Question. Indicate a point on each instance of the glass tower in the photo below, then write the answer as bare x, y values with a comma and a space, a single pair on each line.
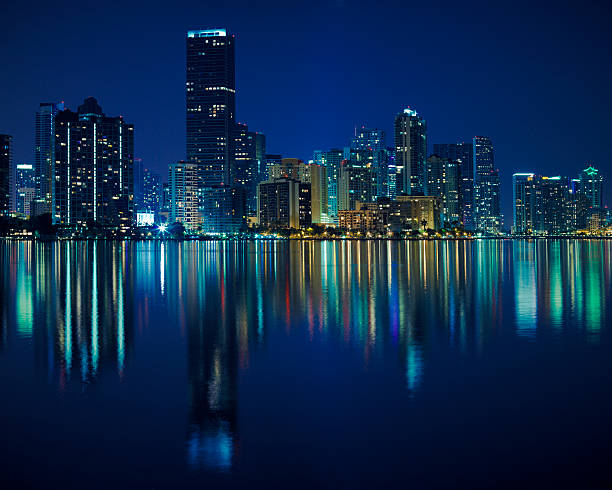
410, 152
44, 150
487, 213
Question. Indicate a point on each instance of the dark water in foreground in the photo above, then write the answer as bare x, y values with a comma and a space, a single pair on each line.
306, 364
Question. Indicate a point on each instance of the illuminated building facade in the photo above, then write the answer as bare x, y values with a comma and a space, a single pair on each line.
152, 192
357, 180
523, 194
463, 153
6, 162
44, 151
331, 160
284, 203
372, 143
25, 188
211, 104
444, 181
183, 192
487, 211
410, 152
591, 183
94, 157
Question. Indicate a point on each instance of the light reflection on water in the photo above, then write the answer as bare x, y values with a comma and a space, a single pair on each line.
84, 305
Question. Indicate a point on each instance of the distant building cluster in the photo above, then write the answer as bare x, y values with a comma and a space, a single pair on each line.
85, 174
558, 205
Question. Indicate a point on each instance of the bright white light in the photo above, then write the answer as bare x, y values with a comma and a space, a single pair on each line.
162, 228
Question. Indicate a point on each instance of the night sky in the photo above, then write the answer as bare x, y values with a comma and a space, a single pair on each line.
534, 77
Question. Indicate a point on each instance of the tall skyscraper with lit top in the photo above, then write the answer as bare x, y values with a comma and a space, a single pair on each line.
410, 152
211, 104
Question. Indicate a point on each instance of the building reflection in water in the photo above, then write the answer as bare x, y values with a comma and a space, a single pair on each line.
80, 303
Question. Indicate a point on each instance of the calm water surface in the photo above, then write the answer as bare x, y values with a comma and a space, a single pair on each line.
306, 364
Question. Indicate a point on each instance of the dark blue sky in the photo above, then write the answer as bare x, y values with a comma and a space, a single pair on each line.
534, 77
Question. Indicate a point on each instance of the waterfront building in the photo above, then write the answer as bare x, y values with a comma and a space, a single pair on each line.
410, 152
591, 184
44, 153
357, 180
94, 157
152, 192
210, 104
6, 165
443, 181
523, 195
552, 206
138, 184
183, 194
246, 170
284, 203
463, 153
487, 210
419, 212
372, 142
223, 210
331, 160
25, 188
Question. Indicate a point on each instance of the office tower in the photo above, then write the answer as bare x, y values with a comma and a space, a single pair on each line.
272, 159
25, 190
94, 158
372, 141
183, 193
357, 180
211, 104
284, 203
223, 210
331, 160
410, 152
464, 154
487, 213
249, 163
44, 152
152, 192
443, 181
6, 164
552, 206
591, 183
138, 184
166, 203
317, 178
523, 195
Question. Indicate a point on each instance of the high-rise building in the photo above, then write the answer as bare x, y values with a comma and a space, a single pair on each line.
487, 211
44, 152
331, 160
152, 192
223, 210
183, 191
443, 181
94, 157
357, 180
372, 142
284, 203
591, 183
463, 153
138, 184
6, 165
25, 187
410, 152
523, 195
551, 209
249, 163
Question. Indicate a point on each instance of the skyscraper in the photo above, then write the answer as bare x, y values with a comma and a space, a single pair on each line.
6, 162
94, 158
211, 105
410, 152
591, 183
357, 180
249, 163
372, 141
443, 181
152, 192
44, 151
523, 195
487, 212
24, 187
331, 160
463, 153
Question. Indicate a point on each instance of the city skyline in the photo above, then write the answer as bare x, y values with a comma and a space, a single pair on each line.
456, 107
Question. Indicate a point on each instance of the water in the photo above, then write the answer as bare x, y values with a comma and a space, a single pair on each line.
306, 364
